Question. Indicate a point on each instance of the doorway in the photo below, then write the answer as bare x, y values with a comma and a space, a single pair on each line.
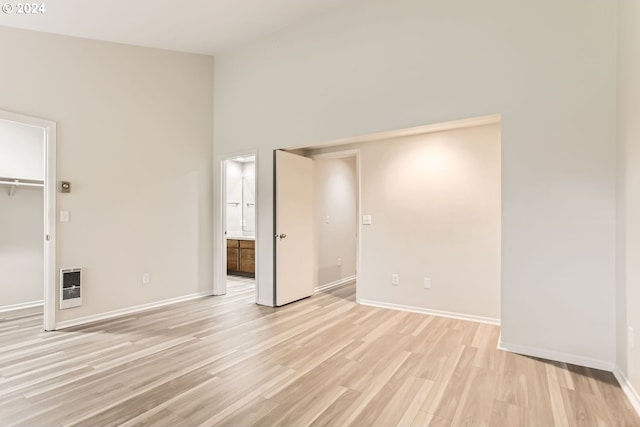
336, 211
433, 197
27, 210
238, 191
316, 203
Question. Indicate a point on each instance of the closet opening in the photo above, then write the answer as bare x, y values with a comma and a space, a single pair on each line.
27, 217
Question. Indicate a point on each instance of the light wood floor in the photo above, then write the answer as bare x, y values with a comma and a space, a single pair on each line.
321, 361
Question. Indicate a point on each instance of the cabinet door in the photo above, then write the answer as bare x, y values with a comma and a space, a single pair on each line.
233, 255
247, 260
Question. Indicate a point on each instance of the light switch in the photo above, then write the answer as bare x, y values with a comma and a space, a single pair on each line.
366, 219
64, 216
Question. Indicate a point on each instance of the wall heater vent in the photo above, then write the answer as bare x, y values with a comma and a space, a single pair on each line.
70, 288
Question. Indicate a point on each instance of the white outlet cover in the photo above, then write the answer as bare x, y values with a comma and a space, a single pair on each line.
427, 283
395, 279
366, 219
64, 216
146, 278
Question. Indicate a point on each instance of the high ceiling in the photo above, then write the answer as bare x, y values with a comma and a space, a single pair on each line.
198, 26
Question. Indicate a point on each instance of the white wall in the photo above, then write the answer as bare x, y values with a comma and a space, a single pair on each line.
21, 151
628, 292
21, 246
241, 190
134, 137
435, 204
249, 198
548, 67
234, 197
335, 214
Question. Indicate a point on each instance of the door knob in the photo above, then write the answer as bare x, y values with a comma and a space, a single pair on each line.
281, 236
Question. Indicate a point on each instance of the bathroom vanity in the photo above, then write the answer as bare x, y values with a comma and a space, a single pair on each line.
241, 256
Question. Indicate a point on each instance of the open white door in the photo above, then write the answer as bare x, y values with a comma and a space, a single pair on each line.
294, 233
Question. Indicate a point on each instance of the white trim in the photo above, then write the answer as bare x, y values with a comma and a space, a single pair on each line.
49, 214
129, 310
335, 283
439, 313
358, 225
20, 306
557, 356
627, 387
219, 247
417, 130
266, 303
50, 188
336, 154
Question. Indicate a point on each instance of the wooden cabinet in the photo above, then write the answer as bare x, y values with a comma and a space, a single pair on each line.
241, 257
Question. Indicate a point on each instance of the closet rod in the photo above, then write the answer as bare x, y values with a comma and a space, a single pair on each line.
21, 184
15, 183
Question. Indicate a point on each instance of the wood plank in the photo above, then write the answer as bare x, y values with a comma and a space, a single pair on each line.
323, 361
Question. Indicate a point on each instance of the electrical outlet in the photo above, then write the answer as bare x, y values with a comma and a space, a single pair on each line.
630, 337
339, 262
395, 279
146, 278
427, 283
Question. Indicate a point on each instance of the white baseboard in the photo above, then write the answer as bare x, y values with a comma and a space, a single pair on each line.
557, 356
335, 283
439, 313
128, 310
629, 390
20, 306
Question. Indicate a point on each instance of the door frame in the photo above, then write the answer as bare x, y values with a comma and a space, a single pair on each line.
339, 155
219, 227
49, 214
